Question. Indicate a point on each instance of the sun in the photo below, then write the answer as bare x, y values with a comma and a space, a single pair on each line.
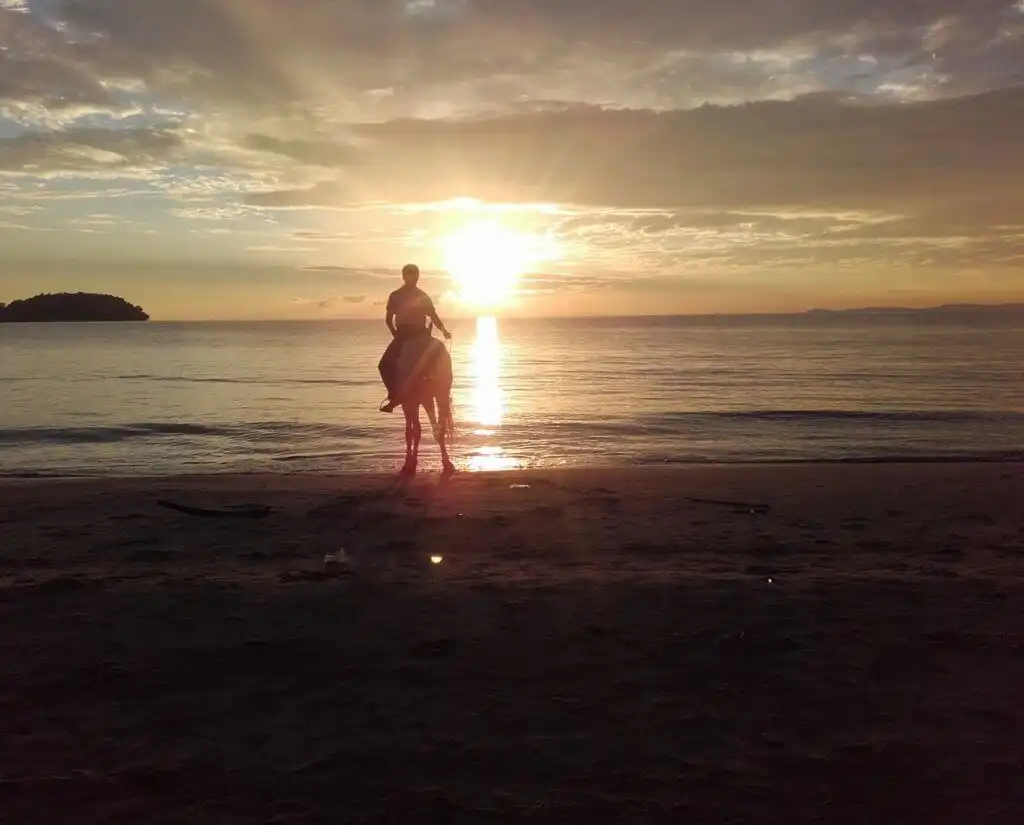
487, 259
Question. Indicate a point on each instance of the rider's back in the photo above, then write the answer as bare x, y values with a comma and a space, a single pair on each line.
411, 306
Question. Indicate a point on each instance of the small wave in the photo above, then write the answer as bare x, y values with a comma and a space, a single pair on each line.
100, 435
126, 432
309, 428
954, 416
291, 459
30, 475
664, 423
268, 382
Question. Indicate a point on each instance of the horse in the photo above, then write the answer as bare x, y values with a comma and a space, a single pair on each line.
424, 378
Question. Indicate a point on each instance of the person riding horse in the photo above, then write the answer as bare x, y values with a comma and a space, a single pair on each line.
408, 310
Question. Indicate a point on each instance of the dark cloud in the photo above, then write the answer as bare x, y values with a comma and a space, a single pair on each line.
961, 156
48, 82
215, 33
925, 254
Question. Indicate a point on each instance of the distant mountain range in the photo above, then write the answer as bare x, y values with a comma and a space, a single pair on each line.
945, 309
71, 306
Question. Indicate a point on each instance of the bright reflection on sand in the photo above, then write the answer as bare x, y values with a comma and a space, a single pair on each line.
490, 459
488, 398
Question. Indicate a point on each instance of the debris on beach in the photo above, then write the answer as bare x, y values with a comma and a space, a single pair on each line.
230, 511
337, 561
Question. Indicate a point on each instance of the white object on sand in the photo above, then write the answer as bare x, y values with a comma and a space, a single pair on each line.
338, 559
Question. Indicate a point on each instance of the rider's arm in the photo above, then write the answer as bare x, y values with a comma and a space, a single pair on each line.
389, 319
432, 314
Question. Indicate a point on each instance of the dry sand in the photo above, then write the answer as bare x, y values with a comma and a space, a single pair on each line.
595, 646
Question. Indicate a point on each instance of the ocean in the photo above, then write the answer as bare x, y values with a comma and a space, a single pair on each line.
287, 397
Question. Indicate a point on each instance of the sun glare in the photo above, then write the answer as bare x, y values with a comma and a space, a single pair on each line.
487, 259
488, 398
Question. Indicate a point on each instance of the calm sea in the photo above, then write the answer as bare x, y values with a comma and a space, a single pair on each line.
163, 398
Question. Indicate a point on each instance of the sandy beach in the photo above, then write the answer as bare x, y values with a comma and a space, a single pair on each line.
784, 644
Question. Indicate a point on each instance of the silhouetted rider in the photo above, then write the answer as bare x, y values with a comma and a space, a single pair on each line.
409, 309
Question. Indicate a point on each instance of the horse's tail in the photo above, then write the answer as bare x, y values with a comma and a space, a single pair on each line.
446, 416
443, 392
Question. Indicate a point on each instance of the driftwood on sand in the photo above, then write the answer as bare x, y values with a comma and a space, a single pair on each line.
230, 511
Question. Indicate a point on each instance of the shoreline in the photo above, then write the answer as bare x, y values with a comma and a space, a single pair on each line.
682, 466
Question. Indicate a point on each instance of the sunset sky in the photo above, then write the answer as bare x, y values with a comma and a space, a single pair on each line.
284, 158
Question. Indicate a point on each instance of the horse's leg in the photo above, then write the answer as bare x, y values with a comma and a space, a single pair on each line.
446, 460
411, 413
417, 432
443, 428
432, 415
438, 430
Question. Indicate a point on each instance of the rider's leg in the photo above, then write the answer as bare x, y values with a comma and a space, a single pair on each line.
388, 362
387, 366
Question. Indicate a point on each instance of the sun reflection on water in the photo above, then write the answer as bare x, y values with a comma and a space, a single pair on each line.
488, 398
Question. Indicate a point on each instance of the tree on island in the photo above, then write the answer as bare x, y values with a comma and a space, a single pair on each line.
71, 306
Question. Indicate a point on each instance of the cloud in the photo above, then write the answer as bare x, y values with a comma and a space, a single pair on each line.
271, 248
838, 133
19, 210
328, 268
20, 227
97, 220
329, 302
342, 59
48, 81
822, 178
310, 235
365, 272
308, 152
210, 213
85, 149
256, 86
819, 154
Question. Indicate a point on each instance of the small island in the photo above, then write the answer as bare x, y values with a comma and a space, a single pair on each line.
70, 306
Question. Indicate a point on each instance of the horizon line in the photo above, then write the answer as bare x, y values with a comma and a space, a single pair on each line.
868, 310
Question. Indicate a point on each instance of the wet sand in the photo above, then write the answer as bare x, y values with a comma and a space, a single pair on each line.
776, 644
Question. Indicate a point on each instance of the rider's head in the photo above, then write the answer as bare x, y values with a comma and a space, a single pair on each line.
410, 274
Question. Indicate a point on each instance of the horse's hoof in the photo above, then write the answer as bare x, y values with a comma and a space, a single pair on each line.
408, 470
448, 470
